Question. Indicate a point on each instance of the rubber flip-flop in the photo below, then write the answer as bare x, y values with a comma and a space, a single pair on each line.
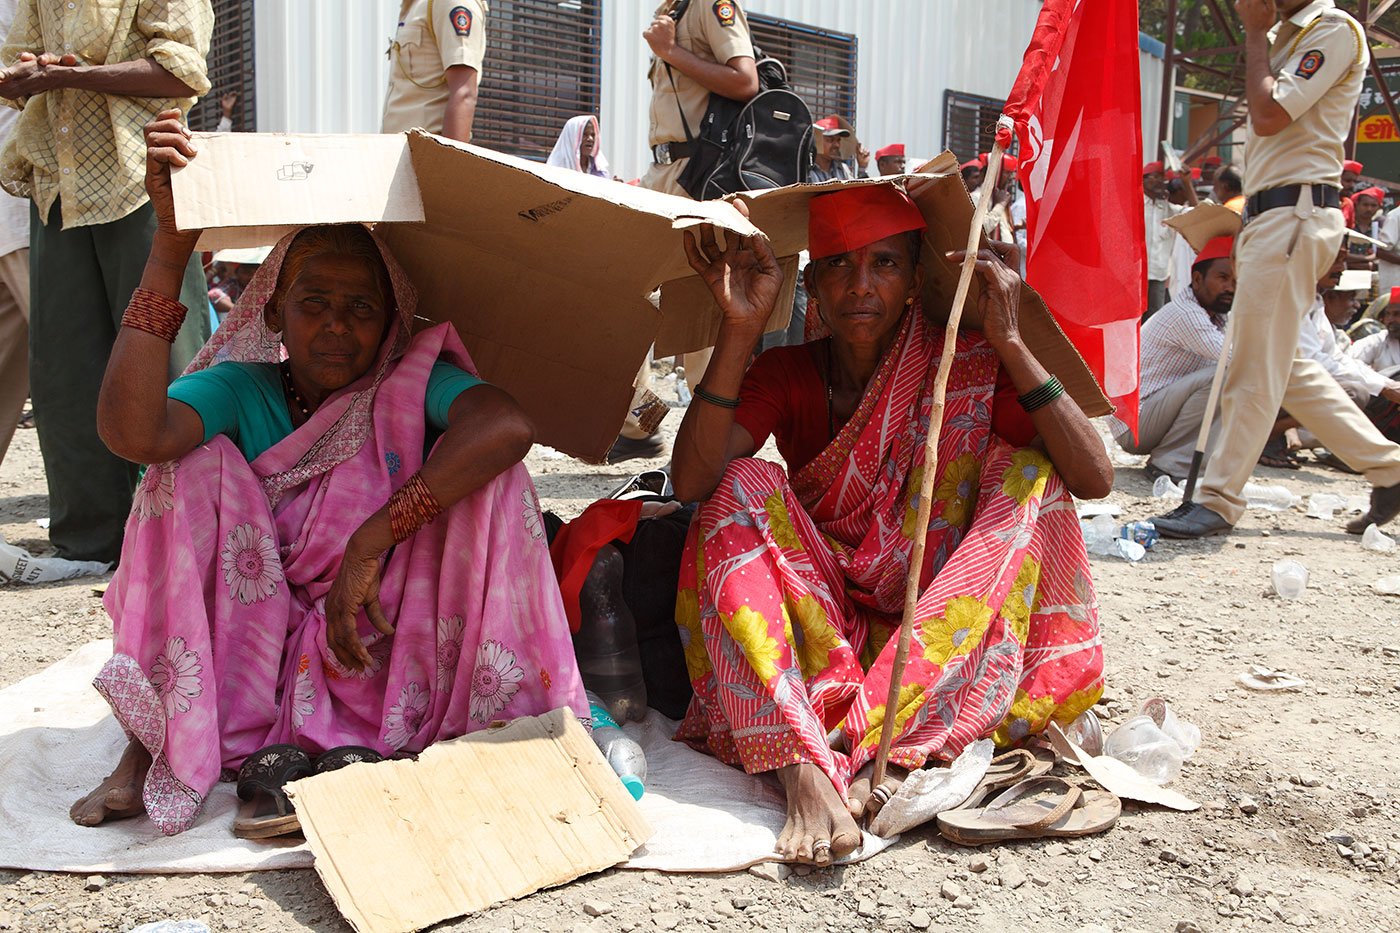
336, 758
1008, 769
266, 811
1033, 809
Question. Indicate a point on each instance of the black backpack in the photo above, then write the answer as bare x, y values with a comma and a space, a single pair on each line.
764, 143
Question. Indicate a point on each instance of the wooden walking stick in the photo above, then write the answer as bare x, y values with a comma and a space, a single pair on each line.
935, 429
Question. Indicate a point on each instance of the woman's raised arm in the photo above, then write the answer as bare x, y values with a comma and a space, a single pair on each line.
135, 418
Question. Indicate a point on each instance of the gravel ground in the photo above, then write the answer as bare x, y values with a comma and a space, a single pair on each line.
1300, 825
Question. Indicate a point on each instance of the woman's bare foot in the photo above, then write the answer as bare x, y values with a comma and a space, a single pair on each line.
119, 796
862, 803
818, 827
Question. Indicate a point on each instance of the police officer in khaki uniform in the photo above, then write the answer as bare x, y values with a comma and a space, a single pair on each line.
435, 67
709, 50
1303, 78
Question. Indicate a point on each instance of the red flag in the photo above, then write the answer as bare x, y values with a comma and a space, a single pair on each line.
1076, 107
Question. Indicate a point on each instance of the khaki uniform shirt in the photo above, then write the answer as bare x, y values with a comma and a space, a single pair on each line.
1318, 57
715, 30
81, 146
433, 35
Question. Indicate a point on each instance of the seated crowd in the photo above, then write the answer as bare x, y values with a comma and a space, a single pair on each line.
336, 554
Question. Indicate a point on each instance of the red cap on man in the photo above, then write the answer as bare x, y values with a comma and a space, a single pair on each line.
1395, 295
1350, 165
893, 150
1219, 248
854, 217
1152, 168
971, 163
982, 158
830, 126
1211, 160
1372, 192
1195, 174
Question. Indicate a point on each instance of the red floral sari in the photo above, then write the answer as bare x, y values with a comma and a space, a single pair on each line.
790, 590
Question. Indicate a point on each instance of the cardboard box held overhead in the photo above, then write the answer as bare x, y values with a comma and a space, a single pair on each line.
494, 815
544, 272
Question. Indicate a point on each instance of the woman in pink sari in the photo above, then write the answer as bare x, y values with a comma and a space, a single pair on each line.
335, 544
793, 582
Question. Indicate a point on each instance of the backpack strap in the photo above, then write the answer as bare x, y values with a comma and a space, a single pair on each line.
678, 10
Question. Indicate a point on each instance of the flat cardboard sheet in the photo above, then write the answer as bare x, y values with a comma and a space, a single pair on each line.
495, 815
691, 317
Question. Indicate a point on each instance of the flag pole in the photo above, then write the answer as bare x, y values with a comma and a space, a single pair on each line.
935, 429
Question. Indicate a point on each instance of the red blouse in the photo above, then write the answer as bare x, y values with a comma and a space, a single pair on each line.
783, 396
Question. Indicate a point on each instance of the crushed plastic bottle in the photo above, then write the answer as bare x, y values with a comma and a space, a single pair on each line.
1144, 533
1142, 745
1087, 732
1104, 536
622, 752
605, 645
1273, 498
1373, 539
1324, 505
1182, 732
1164, 488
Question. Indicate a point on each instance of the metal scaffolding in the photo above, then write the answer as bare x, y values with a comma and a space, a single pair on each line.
1227, 62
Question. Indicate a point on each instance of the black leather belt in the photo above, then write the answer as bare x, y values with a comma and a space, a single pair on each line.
1287, 196
666, 153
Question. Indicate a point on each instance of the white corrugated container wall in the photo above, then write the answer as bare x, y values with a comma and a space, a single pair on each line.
321, 66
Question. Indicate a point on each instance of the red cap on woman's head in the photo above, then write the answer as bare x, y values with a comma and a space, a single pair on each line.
854, 217
1219, 248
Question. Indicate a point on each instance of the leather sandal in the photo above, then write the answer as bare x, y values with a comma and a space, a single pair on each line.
1033, 809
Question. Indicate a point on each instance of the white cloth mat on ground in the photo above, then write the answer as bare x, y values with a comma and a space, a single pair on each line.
58, 740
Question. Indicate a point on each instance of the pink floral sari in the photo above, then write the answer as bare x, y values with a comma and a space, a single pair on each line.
790, 590
219, 603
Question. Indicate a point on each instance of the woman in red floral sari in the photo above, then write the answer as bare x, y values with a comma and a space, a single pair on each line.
792, 582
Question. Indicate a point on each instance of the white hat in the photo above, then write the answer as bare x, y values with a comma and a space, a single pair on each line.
1354, 280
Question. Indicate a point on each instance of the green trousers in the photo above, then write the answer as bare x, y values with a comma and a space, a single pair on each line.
80, 281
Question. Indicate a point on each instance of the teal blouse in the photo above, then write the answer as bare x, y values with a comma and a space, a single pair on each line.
245, 401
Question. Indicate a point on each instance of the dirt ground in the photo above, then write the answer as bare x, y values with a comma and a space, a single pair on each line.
1300, 825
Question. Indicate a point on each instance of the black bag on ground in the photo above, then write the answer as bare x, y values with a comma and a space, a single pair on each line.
764, 143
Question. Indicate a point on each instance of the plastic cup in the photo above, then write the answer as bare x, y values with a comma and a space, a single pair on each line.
1290, 579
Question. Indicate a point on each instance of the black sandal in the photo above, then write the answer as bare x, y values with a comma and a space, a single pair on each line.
266, 811
336, 758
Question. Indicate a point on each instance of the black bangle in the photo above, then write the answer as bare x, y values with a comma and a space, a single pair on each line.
713, 399
1041, 395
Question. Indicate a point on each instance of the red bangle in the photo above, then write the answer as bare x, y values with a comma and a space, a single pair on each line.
155, 314
411, 507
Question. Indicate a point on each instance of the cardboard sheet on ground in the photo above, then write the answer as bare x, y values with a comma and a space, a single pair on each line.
58, 740
691, 317
475, 821
1117, 776
544, 272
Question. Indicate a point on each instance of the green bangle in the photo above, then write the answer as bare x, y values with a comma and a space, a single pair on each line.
1041, 395
713, 399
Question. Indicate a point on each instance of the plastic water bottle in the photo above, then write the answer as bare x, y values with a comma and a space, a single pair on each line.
1273, 498
1144, 533
606, 643
1141, 744
624, 755
1105, 537
1164, 488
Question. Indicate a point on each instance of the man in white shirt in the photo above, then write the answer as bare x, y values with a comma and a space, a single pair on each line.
1381, 351
1388, 256
1161, 239
14, 285
1180, 347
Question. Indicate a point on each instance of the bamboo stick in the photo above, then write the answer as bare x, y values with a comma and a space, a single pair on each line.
935, 430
